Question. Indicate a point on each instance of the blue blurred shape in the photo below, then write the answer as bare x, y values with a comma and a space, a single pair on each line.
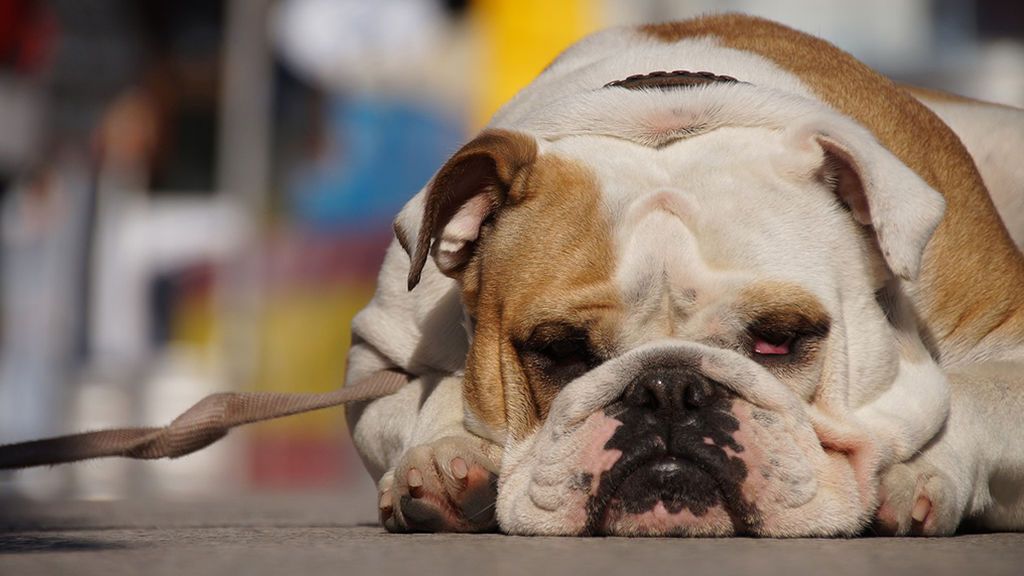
380, 153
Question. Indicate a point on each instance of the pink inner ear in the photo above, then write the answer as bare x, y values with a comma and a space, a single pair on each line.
465, 225
462, 230
768, 349
848, 184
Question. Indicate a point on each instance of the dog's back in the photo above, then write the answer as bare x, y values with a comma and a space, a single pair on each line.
994, 136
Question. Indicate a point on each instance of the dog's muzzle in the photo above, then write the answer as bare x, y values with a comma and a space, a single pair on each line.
677, 446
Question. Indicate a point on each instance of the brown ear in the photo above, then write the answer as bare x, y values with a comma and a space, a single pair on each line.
468, 189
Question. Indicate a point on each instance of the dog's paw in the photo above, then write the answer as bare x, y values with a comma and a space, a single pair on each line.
917, 499
449, 485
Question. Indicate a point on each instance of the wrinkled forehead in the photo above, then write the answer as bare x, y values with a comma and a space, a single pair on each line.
723, 206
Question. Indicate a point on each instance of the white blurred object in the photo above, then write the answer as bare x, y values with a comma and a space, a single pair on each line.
181, 378
139, 238
129, 382
42, 238
352, 44
891, 36
1000, 76
101, 403
113, 398
21, 120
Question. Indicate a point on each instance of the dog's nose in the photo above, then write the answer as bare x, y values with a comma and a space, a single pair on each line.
671, 390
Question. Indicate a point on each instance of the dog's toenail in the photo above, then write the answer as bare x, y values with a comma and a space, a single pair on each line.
921, 509
459, 468
415, 478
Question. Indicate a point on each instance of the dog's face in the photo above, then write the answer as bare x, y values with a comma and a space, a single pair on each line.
703, 338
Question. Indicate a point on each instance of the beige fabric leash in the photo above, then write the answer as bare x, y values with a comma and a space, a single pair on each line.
201, 425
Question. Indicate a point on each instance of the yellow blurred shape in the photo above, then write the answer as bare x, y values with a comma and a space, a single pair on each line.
193, 323
305, 336
519, 38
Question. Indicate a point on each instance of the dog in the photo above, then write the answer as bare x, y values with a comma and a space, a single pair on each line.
706, 278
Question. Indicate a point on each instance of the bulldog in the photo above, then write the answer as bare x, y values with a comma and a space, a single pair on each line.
713, 277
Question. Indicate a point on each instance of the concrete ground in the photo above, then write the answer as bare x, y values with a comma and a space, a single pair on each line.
331, 534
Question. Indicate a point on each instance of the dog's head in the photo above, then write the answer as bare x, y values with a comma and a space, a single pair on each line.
705, 336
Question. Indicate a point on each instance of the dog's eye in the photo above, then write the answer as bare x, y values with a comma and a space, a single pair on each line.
559, 353
773, 344
565, 359
784, 339
565, 351
784, 334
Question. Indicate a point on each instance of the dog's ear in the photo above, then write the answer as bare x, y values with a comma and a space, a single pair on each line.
407, 223
879, 189
469, 189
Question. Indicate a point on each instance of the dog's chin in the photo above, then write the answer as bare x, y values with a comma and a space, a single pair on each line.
666, 496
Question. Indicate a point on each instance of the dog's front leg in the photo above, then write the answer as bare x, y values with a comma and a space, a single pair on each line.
973, 471
432, 475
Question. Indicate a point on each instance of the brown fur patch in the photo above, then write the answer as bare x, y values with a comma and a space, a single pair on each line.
783, 304
546, 258
972, 281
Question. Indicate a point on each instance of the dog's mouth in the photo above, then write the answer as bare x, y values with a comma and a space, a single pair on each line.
655, 475
674, 482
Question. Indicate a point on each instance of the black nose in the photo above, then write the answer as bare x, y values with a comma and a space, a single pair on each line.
671, 390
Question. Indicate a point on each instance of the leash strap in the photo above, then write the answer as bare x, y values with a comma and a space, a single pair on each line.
204, 423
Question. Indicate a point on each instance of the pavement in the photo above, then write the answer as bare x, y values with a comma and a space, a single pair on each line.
337, 534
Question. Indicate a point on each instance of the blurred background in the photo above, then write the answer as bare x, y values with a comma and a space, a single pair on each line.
195, 195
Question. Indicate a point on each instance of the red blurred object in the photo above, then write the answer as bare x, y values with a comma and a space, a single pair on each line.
278, 461
27, 33
298, 258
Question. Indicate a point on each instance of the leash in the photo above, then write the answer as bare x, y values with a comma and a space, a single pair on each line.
204, 423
